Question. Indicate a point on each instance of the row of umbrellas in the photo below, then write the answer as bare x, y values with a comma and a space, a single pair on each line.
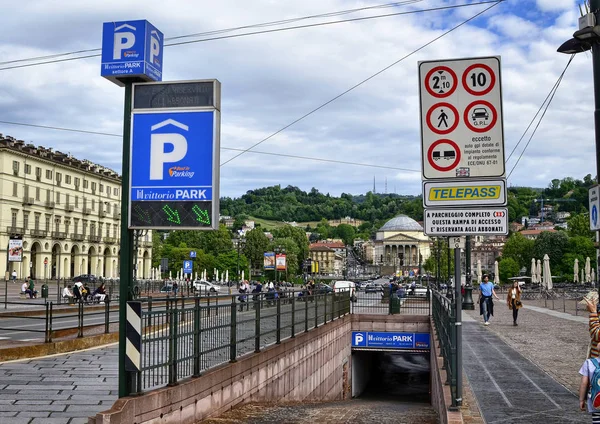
217, 276
540, 273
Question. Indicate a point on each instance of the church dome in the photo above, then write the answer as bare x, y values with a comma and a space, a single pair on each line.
401, 223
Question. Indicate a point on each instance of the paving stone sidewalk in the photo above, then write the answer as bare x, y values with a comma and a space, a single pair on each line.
60, 389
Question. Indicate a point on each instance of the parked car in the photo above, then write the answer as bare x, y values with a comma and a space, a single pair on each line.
167, 288
323, 288
419, 290
204, 287
85, 278
346, 286
373, 288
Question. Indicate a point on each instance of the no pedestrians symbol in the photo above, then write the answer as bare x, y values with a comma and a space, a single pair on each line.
442, 118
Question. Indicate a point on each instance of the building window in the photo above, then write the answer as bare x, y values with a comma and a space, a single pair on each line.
47, 195
25, 220
77, 183
37, 193
48, 174
85, 224
93, 187
92, 228
57, 198
58, 178
57, 223
15, 190
93, 204
107, 230
101, 188
84, 203
38, 173
67, 224
67, 179
115, 229
15, 167
75, 225
48, 222
13, 217
27, 169
116, 191
100, 229
76, 201
26, 191
67, 199
36, 221
108, 190
85, 183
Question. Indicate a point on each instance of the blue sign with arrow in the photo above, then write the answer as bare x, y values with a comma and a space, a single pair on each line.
193, 254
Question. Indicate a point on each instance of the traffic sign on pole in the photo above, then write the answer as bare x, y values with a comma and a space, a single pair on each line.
461, 222
461, 118
187, 267
594, 199
460, 193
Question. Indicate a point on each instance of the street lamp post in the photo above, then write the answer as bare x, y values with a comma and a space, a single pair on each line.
240, 245
584, 39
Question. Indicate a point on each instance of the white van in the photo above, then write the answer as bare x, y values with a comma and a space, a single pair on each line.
342, 286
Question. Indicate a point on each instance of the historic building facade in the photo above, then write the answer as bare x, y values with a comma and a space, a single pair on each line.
67, 212
401, 245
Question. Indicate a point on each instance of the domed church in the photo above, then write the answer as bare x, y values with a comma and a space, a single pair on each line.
401, 246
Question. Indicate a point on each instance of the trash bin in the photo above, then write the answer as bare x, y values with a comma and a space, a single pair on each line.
45, 291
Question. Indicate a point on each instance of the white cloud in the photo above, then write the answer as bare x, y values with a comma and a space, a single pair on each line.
555, 5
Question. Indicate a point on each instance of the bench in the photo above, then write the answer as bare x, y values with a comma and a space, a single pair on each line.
23, 295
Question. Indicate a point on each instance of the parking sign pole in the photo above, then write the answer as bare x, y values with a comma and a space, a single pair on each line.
126, 265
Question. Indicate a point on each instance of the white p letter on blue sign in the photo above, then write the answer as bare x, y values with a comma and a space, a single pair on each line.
158, 157
123, 40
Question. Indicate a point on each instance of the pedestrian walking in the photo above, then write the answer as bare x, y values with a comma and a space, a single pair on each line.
594, 328
513, 299
14, 276
486, 303
588, 389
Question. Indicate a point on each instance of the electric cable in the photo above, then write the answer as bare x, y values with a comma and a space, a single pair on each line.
365, 80
48, 127
263, 32
542, 116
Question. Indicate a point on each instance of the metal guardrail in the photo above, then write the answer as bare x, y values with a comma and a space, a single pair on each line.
380, 302
190, 335
444, 318
79, 319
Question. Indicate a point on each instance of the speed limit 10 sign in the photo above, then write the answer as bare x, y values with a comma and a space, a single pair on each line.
461, 118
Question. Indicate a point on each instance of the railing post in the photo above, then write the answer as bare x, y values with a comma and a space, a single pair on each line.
257, 324
197, 318
80, 319
278, 321
173, 348
453, 347
233, 333
316, 310
149, 320
107, 316
325, 308
48, 332
306, 314
293, 330
564, 306
208, 304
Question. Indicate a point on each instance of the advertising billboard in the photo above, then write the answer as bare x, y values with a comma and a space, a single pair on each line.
280, 262
15, 250
269, 261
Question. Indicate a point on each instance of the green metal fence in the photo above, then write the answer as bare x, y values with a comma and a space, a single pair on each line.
185, 336
444, 318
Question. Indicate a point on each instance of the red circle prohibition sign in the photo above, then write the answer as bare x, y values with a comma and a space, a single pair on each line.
492, 79
432, 161
491, 108
448, 130
452, 89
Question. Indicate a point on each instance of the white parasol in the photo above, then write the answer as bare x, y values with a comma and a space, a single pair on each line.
576, 271
547, 273
538, 274
496, 273
588, 268
479, 275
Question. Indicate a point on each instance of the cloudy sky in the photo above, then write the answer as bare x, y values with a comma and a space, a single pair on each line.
270, 80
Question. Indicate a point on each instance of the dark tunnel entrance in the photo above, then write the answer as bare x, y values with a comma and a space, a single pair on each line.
389, 375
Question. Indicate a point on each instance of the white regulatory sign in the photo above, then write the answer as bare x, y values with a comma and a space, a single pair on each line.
461, 118
466, 222
457, 242
594, 197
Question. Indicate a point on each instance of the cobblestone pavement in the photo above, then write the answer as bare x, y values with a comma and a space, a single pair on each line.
357, 411
61, 389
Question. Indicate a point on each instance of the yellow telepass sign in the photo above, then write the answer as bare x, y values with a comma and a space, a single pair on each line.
461, 193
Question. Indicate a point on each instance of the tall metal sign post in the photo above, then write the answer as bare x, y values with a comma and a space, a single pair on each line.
462, 156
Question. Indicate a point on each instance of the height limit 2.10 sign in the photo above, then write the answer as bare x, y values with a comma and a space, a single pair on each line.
461, 118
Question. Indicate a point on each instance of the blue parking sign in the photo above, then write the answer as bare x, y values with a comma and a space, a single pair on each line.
193, 254
131, 49
187, 267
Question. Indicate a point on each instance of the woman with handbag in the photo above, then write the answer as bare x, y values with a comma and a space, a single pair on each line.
514, 301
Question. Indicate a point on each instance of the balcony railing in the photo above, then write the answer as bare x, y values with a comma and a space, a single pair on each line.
102, 214
49, 204
87, 211
28, 200
38, 233
110, 240
95, 239
77, 237
117, 215
70, 208
59, 235
15, 230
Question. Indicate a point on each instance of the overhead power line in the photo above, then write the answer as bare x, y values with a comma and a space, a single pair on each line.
46, 62
306, 115
48, 127
548, 102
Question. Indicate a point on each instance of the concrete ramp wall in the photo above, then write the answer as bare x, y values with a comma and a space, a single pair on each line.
311, 366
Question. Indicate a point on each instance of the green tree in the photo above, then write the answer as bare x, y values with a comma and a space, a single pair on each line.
431, 264
508, 268
553, 244
298, 235
518, 248
256, 245
579, 225
346, 232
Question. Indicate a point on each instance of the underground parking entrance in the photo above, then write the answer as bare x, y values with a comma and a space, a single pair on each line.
391, 366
